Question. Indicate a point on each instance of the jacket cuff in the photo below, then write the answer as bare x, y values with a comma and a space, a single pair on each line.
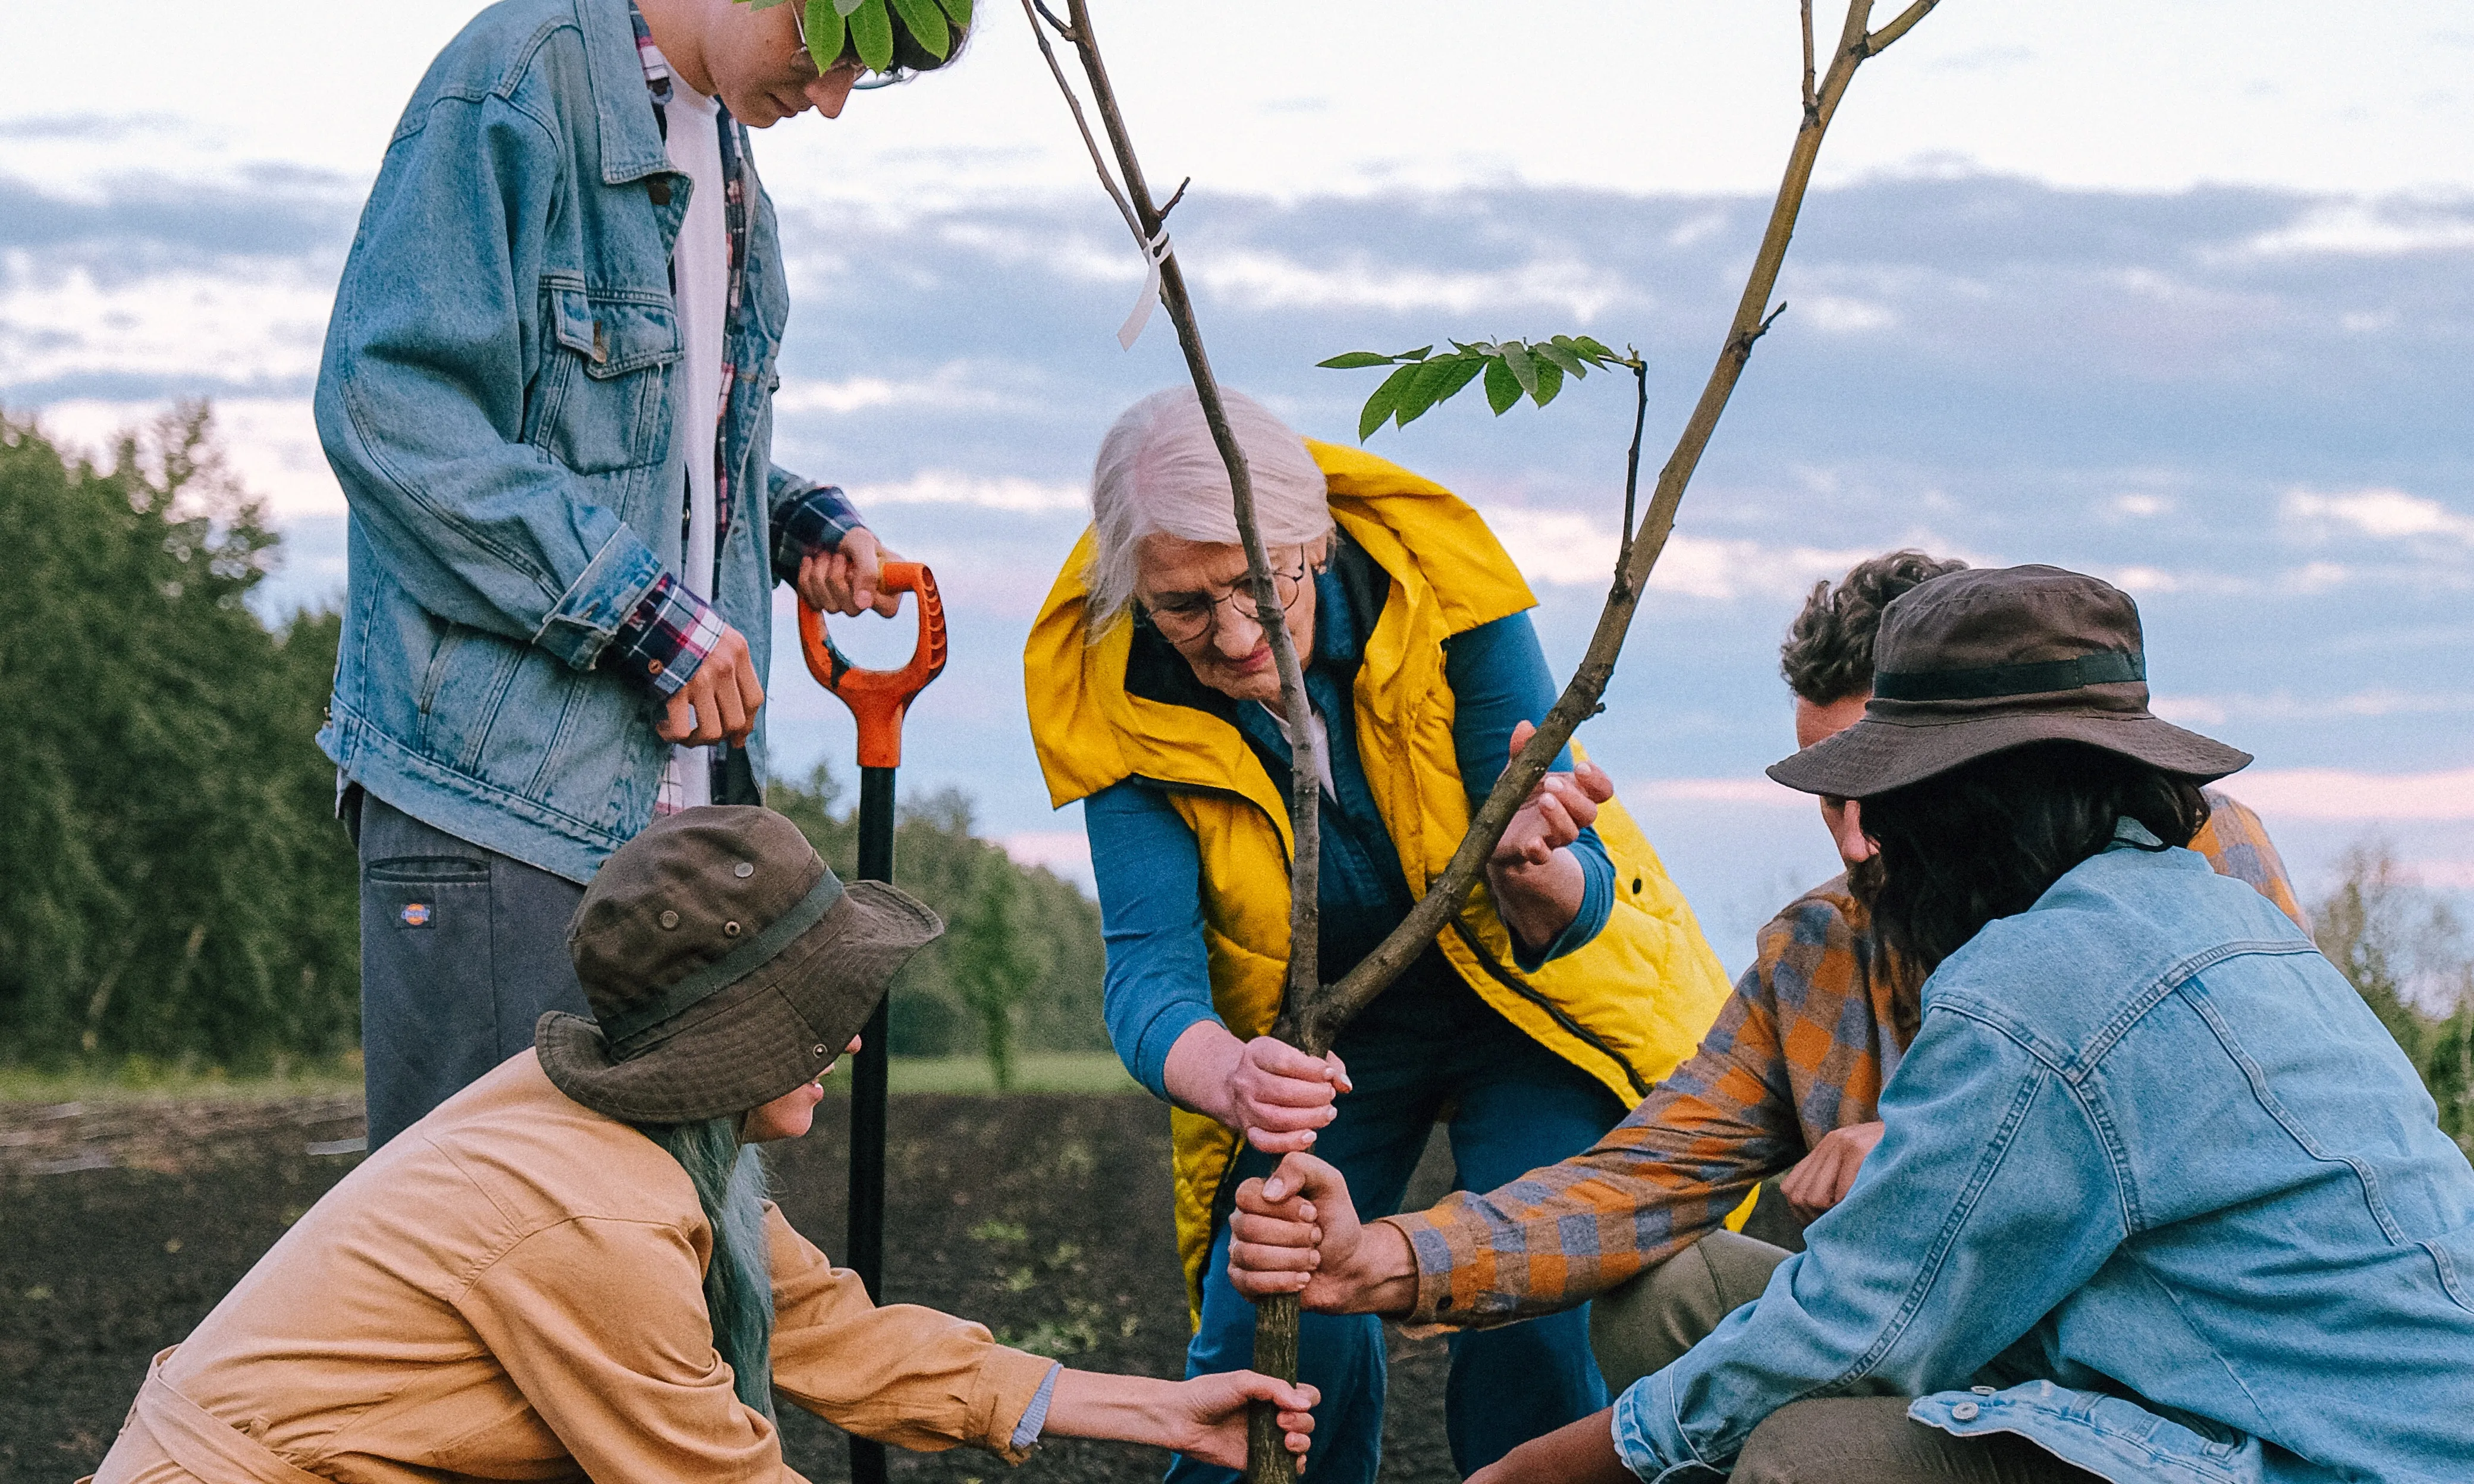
667, 637
1441, 1252
813, 520
1010, 1381
589, 615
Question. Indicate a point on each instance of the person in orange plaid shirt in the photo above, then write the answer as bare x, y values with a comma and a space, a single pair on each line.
1785, 1084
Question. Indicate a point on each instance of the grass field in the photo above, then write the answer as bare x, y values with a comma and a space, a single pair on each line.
138, 1080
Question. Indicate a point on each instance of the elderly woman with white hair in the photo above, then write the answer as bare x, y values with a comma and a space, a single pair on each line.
1556, 999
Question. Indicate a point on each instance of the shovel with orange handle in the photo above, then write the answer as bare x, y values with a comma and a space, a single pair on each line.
877, 700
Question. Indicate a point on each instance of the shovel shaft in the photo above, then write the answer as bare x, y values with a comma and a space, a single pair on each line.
864, 1239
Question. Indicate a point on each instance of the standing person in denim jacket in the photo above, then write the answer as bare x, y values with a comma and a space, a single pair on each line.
2157, 1196
548, 396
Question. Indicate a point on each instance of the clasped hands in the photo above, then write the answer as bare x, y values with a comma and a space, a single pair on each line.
720, 700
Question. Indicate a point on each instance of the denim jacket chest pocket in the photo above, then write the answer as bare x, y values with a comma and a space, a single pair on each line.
600, 400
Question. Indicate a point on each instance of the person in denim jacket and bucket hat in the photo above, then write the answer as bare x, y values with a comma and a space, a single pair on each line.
2157, 1196
548, 396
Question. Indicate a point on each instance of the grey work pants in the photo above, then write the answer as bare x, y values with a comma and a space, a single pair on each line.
1650, 1322
462, 949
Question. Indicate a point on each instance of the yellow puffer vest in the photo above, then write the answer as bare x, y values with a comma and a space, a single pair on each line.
1626, 1009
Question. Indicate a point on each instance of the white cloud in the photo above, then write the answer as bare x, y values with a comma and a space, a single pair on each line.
270, 442
953, 385
1758, 792
1064, 852
2368, 230
2341, 794
2142, 506
2384, 515
1833, 315
262, 321
1566, 548
1272, 281
2283, 707
947, 487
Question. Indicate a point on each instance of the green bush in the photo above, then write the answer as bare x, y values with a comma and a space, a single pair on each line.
175, 890
1020, 963
2405, 953
173, 884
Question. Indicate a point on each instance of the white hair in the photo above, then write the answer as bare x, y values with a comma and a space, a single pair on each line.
1159, 472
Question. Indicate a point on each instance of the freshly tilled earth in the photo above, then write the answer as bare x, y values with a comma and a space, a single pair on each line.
1044, 1216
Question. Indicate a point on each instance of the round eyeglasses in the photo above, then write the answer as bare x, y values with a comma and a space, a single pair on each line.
1188, 617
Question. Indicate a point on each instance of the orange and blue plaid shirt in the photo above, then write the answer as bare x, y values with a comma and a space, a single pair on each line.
1813, 1030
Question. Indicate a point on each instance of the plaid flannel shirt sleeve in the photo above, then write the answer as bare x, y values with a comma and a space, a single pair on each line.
1670, 1173
1662, 1179
808, 519
661, 643
2236, 843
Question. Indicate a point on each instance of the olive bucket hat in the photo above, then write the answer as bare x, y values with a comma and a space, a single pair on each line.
1982, 660
725, 965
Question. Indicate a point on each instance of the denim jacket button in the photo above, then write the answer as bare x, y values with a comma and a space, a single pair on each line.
1965, 1411
1981, 1391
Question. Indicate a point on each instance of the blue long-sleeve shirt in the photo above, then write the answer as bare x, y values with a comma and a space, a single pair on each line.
1149, 869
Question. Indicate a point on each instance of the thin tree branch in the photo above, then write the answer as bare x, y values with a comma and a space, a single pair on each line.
1276, 1326
1811, 100
1174, 197
1879, 40
1062, 29
1632, 458
1313, 1027
1033, 10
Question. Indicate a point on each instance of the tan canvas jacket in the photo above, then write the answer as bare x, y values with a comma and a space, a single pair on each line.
512, 1290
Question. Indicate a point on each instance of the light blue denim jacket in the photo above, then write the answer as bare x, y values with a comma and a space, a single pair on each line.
495, 401
2157, 1191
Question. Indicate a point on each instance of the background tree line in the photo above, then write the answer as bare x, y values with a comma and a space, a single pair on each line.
174, 884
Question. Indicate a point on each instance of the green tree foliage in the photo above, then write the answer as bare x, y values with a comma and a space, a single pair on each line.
173, 884
2405, 953
1021, 960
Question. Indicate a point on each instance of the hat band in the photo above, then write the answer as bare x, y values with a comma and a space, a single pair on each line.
2105, 667
728, 969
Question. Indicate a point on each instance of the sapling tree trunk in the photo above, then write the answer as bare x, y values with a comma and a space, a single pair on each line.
1312, 1013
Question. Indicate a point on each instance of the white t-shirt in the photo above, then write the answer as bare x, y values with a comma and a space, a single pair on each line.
700, 273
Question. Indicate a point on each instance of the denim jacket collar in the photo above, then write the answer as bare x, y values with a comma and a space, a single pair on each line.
631, 142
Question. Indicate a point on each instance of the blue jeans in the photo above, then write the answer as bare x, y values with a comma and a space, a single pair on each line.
1421, 1052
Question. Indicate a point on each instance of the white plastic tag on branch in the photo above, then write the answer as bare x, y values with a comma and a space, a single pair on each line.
1154, 253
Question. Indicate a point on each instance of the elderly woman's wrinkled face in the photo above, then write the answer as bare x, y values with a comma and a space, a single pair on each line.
1195, 592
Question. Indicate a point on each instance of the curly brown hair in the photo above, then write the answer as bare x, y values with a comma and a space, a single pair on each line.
1828, 651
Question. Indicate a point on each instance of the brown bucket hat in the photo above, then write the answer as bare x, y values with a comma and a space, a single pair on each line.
1982, 660
725, 965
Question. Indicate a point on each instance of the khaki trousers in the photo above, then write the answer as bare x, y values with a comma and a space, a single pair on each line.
1649, 1323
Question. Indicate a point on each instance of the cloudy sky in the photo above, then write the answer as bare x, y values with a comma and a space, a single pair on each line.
2180, 294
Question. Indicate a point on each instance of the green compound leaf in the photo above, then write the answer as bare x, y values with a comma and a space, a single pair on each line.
927, 26
871, 31
960, 10
1379, 406
1524, 370
1421, 380
1437, 379
760, 5
1561, 355
843, 8
824, 26
1501, 390
1550, 380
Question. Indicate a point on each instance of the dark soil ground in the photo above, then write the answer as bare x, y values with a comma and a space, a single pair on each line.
1044, 1216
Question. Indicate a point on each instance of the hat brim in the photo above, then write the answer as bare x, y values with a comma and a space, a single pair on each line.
749, 1044
1874, 756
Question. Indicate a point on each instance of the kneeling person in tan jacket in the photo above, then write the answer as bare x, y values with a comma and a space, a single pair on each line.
569, 1268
